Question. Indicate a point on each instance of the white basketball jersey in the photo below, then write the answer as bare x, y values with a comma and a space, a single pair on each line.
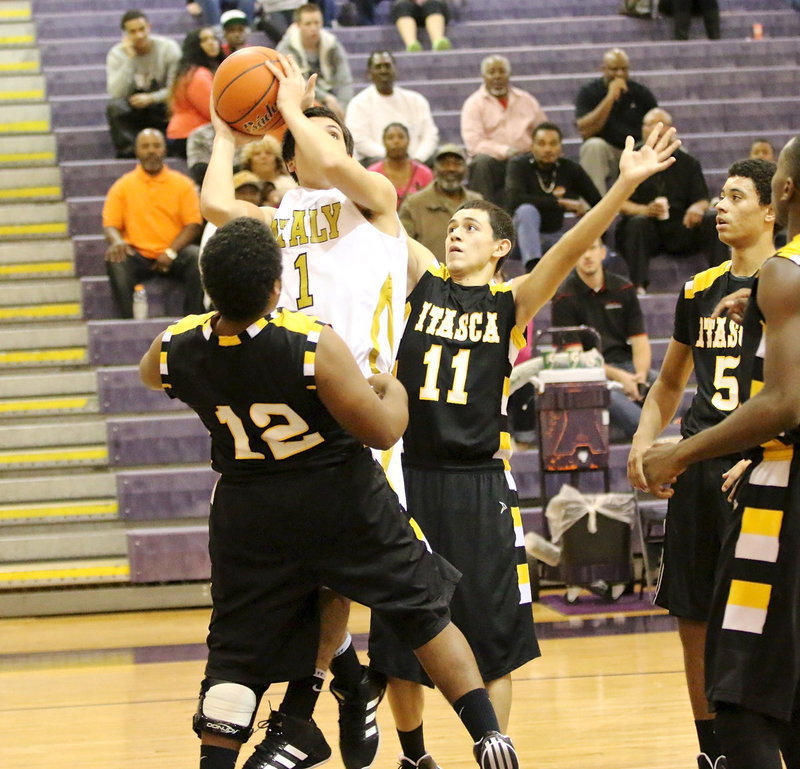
339, 267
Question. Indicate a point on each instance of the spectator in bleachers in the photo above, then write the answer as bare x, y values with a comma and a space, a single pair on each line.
381, 103
318, 51
235, 30
541, 187
607, 110
409, 15
682, 17
139, 70
406, 174
608, 303
666, 213
190, 93
209, 10
762, 149
151, 220
497, 121
425, 214
263, 158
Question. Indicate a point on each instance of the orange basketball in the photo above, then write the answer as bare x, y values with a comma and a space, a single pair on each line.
245, 93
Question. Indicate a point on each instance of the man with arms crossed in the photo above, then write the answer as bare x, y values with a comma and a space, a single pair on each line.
699, 510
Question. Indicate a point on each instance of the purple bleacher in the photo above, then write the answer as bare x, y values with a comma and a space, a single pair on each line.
164, 298
87, 142
174, 554
120, 391
157, 440
90, 254
175, 492
87, 178
122, 342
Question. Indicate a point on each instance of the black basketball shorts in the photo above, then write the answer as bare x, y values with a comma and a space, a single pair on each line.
276, 539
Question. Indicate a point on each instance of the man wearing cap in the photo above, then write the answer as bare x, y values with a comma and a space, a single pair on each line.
496, 124
235, 29
139, 70
246, 186
151, 220
209, 11
425, 214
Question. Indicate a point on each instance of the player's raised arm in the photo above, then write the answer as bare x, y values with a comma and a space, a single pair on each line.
322, 158
218, 201
533, 291
374, 411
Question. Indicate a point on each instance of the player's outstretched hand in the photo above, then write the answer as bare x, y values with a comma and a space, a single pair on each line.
653, 156
661, 469
294, 92
733, 305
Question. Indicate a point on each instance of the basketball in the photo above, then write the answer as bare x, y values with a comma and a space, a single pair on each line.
245, 93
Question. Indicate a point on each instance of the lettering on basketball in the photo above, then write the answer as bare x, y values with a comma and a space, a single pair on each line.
257, 125
443, 322
314, 225
718, 334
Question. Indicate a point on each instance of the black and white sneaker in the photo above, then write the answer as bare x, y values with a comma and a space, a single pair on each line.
291, 743
358, 727
426, 762
495, 751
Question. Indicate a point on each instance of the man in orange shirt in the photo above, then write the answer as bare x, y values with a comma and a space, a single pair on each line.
151, 220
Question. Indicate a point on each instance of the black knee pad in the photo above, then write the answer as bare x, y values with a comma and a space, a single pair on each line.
226, 709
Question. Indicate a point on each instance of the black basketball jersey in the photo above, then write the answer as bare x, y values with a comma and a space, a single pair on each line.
716, 346
255, 392
455, 359
751, 376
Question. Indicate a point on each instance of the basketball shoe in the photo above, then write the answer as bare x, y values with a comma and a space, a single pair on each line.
358, 728
495, 751
290, 743
704, 762
426, 762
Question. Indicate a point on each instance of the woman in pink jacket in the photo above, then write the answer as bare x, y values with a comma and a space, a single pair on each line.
191, 90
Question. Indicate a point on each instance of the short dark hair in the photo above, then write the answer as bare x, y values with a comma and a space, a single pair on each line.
792, 157
763, 140
500, 220
240, 263
547, 126
134, 13
288, 148
306, 8
401, 126
379, 52
760, 172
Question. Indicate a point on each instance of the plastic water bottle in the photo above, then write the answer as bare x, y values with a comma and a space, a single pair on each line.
139, 302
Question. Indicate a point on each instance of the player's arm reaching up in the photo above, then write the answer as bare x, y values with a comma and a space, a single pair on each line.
320, 159
533, 291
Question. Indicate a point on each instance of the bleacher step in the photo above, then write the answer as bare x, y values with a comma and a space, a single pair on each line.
77, 488
65, 290
40, 183
63, 542
16, 88
27, 259
44, 220
25, 118
57, 511
55, 573
16, 32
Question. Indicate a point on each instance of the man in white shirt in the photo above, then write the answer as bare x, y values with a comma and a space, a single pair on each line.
370, 111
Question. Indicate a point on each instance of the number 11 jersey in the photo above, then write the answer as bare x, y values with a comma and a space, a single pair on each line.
455, 360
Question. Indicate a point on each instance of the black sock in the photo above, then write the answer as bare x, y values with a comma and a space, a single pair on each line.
412, 743
215, 757
302, 695
709, 744
476, 713
345, 666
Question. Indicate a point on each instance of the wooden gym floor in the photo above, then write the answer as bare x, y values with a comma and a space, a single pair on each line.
118, 690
